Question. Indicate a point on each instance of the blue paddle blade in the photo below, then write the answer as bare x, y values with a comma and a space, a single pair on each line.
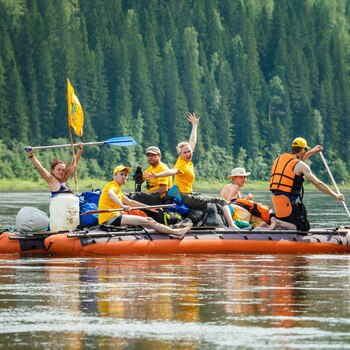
121, 141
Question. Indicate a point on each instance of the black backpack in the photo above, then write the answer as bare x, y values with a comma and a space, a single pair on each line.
212, 215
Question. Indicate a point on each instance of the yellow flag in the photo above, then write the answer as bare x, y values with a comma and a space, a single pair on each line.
75, 111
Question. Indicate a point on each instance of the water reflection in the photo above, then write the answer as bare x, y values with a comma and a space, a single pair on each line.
176, 302
173, 302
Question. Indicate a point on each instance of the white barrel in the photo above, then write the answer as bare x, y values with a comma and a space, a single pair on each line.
64, 212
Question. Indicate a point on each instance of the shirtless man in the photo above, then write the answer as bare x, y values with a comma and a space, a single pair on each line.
232, 191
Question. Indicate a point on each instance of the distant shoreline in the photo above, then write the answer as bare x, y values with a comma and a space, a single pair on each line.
88, 185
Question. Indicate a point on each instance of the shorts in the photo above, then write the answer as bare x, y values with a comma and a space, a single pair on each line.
115, 221
298, 217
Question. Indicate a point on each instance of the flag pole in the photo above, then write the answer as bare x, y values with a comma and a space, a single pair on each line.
75, 122
75, 175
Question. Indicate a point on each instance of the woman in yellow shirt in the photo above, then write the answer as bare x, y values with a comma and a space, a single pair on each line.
112, 197
183, 171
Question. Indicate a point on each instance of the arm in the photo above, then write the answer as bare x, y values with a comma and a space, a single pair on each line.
42, 171
312, 151
161, 189
168, 172
72, 166
132, 203
115, 198
306, 171
193, 137
125, 203
228, 217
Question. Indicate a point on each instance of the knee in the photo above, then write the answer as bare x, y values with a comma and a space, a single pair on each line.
150, 220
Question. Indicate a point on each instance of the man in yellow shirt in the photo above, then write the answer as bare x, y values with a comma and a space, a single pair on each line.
160, 184
112, 197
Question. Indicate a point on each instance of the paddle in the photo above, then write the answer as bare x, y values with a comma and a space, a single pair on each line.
114, 141
105, 234
333, 181
89, 212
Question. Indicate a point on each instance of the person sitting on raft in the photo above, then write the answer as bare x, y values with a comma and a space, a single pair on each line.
232, 191
161, 184
60, 172
183, 171
112, 197
243, 209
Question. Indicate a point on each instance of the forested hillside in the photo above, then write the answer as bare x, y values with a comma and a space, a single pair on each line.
258, 72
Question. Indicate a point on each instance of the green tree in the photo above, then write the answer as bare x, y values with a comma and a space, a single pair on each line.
192, 74
173, 124
245, 128
141, 84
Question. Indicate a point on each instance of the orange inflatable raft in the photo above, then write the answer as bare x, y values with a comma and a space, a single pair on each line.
17, 243
200, 241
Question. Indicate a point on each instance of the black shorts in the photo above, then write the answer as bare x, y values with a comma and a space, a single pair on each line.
116, 221
298, 217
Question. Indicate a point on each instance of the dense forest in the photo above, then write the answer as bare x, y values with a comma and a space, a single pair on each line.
258, 72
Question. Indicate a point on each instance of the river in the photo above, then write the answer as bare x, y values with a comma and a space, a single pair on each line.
176, 302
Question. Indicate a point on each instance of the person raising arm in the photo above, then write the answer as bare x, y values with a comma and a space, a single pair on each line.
183, 171
60, 173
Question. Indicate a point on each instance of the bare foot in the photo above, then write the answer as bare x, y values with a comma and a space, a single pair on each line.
273, 223
181, 232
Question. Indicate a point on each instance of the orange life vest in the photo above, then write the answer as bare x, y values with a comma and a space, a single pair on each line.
255, 208
282, 176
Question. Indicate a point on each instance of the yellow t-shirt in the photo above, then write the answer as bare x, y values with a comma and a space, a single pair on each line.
106, 203
153, 184
185, 177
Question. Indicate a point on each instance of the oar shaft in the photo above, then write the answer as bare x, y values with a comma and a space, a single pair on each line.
329, 173
333, 181
114, 141
69, 145
89, 212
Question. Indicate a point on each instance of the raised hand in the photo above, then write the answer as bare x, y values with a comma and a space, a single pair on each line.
193, 119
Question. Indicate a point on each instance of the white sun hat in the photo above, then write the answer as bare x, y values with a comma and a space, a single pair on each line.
239, 172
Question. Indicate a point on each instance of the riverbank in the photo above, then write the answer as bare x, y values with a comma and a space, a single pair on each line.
88, 185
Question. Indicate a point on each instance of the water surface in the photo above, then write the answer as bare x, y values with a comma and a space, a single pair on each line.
176, 302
